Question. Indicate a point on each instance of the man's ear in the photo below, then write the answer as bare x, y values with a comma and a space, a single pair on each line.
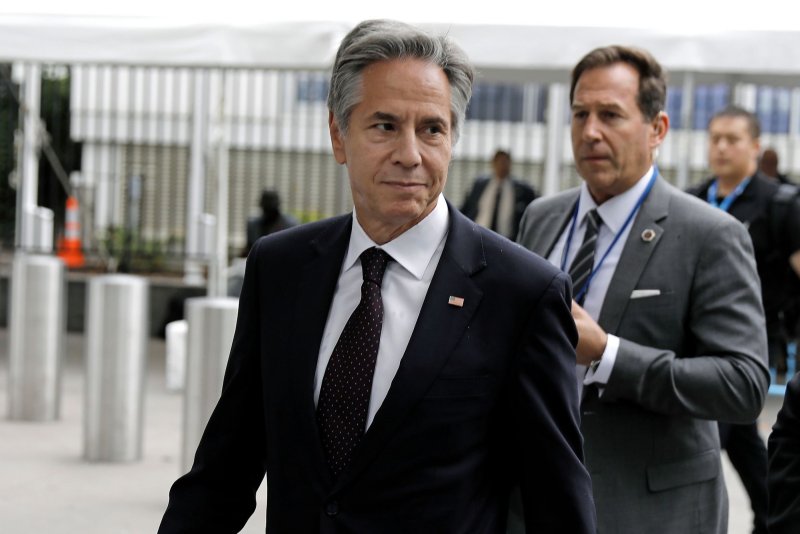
337, 140
660, 127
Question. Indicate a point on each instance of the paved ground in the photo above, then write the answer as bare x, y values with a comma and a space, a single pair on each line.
46, 486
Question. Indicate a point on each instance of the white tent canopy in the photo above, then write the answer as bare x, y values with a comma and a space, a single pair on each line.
498, 51
508, 48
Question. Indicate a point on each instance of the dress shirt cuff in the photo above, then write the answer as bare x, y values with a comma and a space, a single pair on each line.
602, 372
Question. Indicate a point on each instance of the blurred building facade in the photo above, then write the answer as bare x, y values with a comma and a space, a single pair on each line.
145, 145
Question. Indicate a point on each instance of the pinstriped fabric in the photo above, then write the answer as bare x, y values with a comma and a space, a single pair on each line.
347, 383
583, 262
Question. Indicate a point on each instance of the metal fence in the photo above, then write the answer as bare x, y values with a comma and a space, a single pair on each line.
142, 147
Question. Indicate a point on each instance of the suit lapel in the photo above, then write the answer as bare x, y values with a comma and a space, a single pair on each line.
317, 283
438, 330
642, 241
551, 226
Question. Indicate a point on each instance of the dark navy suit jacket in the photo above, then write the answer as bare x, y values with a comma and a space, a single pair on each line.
523, 195
484, 397
784, 465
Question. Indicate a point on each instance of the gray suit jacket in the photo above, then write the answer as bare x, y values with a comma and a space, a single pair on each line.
688, 357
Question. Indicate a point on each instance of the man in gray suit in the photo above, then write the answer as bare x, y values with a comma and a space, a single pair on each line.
667, 304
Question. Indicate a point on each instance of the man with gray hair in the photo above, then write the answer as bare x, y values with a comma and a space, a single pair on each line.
399, 368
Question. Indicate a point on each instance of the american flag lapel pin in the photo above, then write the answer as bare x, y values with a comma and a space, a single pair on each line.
456, 301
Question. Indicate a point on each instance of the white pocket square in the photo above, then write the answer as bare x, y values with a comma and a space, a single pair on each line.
644, 293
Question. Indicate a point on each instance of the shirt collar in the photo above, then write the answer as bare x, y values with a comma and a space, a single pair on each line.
413, 249
616, 209
746, 192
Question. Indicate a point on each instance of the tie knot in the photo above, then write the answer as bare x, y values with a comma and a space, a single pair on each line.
373, 264
593, 219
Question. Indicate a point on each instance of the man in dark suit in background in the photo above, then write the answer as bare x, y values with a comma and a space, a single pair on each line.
453, 376
270, 220
768, 165
739, 189
784, 465
498, 201
668, 309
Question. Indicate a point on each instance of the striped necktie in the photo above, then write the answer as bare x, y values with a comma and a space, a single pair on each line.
583, 263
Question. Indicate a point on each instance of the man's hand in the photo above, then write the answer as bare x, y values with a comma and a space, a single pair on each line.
794, 261
591, 338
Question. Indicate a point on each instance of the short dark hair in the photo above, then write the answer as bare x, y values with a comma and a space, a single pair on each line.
270, 200
652, 97
502, 153
733, 111
372, 41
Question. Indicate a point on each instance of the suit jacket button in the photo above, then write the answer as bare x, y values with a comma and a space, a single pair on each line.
332, 508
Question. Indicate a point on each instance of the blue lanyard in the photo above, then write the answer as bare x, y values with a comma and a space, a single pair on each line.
711, 196
628, 220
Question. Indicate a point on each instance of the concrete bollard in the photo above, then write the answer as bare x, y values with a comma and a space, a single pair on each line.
176, 355
212, 322
36, 337
116, 353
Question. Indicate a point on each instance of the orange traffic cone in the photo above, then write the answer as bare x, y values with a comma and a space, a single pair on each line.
69, 246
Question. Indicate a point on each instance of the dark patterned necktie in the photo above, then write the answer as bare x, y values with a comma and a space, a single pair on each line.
496, 212
583, 262
347, 383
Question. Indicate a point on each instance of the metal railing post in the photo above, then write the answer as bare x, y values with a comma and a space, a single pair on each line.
176, 354
116, 353
37, 323
212, 322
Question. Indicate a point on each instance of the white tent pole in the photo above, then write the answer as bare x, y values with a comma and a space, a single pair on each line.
197, 178
684, 149
556, 119
27, 199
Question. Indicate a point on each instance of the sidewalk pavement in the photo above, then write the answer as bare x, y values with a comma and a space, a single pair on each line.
46, 486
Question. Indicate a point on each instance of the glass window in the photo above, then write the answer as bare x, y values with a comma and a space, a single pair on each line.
496, 102
773, 109
312, 87
708, 99
674, 105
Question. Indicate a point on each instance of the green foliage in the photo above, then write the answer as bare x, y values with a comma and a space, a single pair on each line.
126, 252
305, 216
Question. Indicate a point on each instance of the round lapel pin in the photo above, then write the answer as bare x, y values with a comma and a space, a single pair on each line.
648, 235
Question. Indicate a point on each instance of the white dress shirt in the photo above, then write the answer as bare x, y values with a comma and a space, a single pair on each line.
613, 213
505, 207
416, 253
